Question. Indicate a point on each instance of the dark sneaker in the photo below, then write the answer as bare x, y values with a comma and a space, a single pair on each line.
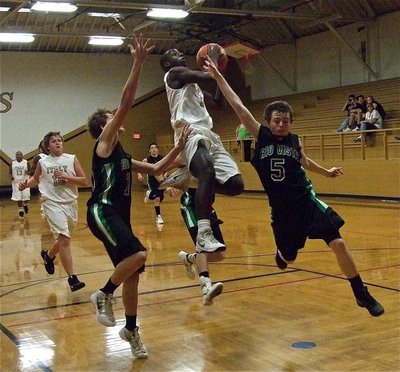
26, 209
372, 305
74, 283
281, 263
21, 214
48, 262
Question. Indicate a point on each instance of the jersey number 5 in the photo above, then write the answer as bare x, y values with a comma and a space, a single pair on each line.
277, 169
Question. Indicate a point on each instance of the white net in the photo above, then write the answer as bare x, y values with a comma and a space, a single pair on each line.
246, 64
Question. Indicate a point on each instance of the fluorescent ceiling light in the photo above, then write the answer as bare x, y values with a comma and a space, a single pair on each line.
54, 7
167, 13
7, 8
8, 37
105, 15
105, 40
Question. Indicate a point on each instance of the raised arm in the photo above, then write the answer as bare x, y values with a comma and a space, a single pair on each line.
244, 115
179, 76
165, 162
139, 52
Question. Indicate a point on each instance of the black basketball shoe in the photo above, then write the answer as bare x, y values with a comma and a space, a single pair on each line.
48, 262
281, 263
74, 283
366, 300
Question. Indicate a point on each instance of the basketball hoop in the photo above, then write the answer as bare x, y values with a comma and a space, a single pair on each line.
244, 54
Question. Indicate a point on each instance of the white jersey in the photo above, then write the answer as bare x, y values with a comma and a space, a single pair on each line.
187, 103
51, 187
19, 170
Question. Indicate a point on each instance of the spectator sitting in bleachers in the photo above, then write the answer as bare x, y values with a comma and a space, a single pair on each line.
243, 136
357, 114
373, 120
377, 106
348, 106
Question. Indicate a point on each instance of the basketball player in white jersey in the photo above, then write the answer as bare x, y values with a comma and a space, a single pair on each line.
204, 155
58, 176
18, 172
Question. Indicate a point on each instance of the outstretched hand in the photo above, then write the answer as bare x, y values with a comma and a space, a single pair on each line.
140, 48
210, 67
214, 51
186, 130
335, 172
173, 193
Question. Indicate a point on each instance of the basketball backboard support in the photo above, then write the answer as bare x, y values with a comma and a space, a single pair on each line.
239, 50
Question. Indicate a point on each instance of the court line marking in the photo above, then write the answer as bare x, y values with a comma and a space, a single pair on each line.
163, 264
287, 271
290, 270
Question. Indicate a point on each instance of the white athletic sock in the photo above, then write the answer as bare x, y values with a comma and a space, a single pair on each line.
191, 258
203, 225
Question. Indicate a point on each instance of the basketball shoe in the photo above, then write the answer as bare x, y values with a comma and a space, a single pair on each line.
210, 290
189, 267
48, 262
180, 179
26, 208
279, 261
367, 301
159, 219
104, 312
74, 283
206, 242
137, 347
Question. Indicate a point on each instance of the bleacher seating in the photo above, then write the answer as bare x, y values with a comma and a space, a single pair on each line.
317, 114
321, 111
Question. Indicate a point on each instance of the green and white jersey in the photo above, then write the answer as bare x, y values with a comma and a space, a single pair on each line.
277, 162
112, 180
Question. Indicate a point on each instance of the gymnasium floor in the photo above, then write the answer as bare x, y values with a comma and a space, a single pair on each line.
301, 319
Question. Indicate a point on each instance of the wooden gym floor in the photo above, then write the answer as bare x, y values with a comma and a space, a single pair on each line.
255, 325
